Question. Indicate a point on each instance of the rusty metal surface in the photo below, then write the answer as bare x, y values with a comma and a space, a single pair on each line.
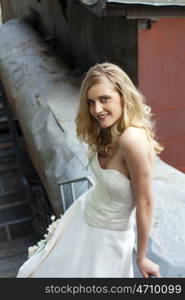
161, 79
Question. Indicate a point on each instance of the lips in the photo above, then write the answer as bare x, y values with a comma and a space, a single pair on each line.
103, 117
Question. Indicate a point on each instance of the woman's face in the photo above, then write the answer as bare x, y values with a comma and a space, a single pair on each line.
104, 103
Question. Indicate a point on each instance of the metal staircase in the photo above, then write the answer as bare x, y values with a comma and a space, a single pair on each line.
15, 196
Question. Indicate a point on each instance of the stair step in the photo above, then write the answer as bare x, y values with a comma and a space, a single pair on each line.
7, 152
3, 112
21, 220
13, 192
14, 201
4, 126
12, 214
4, 119
9, 167
6, 138
15, 184
10, 205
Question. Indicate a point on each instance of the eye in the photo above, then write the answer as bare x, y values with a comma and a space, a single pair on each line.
90, 101
104, 99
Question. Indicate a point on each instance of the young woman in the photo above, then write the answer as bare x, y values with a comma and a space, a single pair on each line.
95, 237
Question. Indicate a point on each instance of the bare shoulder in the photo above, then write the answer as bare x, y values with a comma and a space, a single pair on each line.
136, 148
134, 137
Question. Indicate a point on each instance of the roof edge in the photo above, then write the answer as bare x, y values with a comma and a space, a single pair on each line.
145, 3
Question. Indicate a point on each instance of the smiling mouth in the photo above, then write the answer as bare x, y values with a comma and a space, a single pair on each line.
103, 117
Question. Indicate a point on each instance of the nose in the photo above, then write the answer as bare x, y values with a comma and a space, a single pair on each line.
98, 107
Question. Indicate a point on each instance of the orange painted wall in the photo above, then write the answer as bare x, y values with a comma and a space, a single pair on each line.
161, 59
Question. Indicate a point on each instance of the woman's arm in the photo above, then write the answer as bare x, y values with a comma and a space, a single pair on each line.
135, 147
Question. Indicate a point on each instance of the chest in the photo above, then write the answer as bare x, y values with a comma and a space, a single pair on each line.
114, 162
117, 161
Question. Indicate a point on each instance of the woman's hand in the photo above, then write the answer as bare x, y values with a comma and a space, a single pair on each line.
147, 268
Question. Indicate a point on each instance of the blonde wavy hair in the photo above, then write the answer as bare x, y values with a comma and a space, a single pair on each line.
135, 112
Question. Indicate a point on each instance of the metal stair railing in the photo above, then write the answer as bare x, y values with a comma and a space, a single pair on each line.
71, 183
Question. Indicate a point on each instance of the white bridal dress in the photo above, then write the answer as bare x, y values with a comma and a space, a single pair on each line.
95, 237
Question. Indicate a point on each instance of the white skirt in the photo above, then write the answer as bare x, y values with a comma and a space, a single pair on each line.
77, 249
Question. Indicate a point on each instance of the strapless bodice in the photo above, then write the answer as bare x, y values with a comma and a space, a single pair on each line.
110, 202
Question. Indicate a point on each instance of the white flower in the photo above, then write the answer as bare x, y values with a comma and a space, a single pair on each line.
52, 218
41, 244
32, 250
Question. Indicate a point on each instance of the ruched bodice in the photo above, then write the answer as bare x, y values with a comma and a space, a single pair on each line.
110, 202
